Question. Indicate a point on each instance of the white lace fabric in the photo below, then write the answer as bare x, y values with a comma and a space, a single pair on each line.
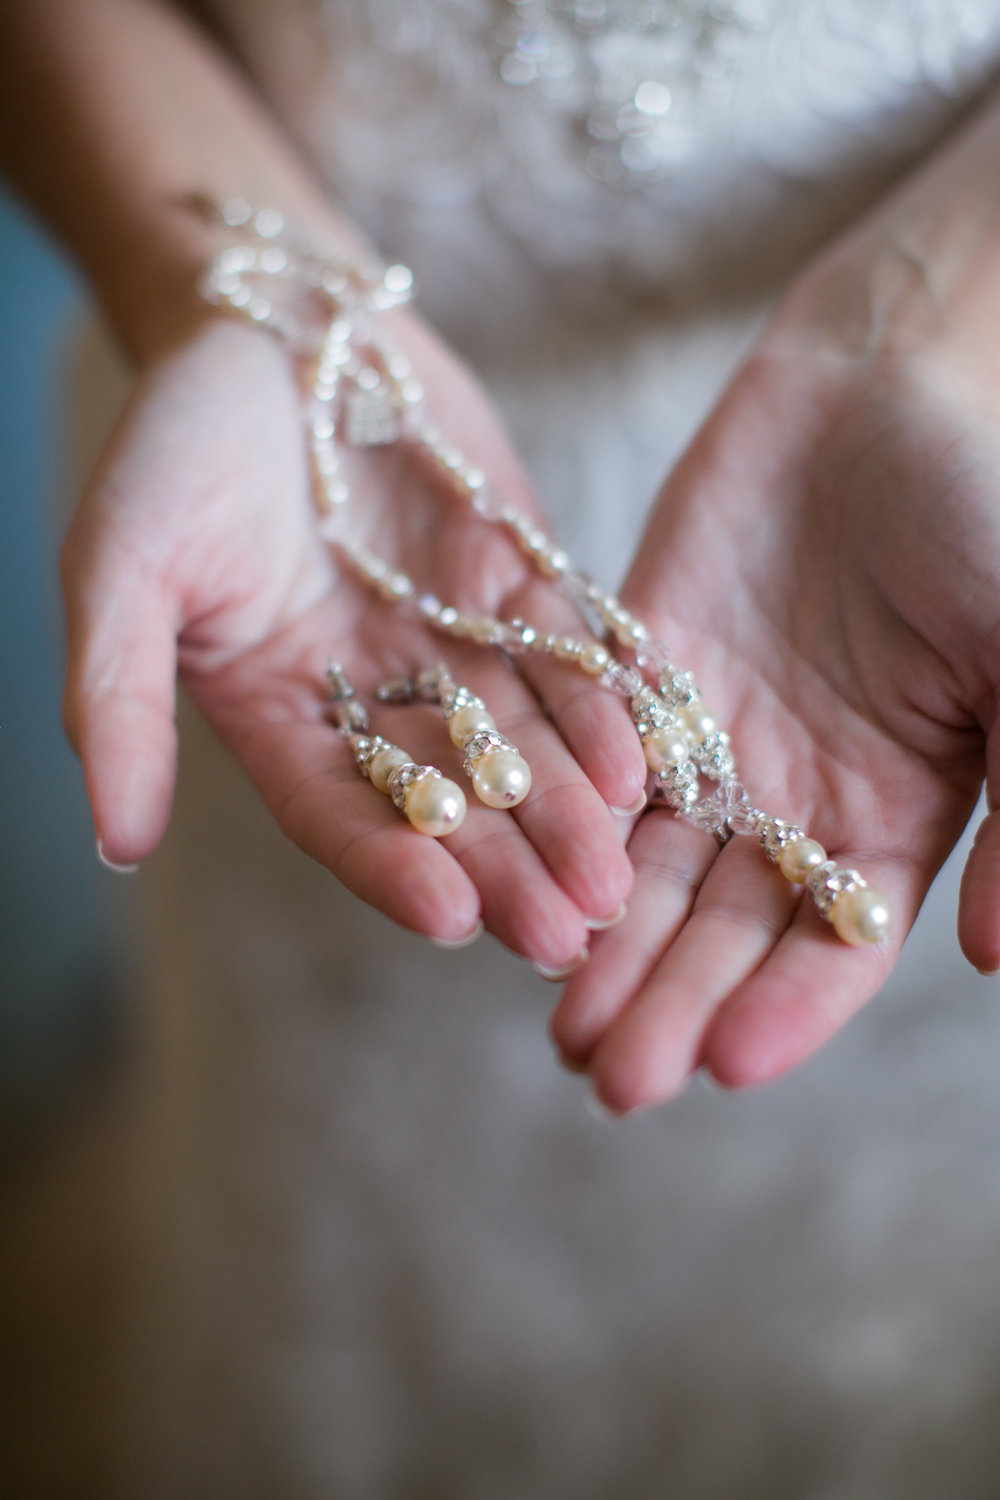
407, 110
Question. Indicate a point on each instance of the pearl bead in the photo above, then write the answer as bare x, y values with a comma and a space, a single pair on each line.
466, 721
861, 916
435, 806
697, 720
663, 748
384, 762
552, 561
797, 859
566, 648
594, 659
501, 778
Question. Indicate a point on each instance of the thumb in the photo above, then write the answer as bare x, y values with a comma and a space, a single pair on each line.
119, 698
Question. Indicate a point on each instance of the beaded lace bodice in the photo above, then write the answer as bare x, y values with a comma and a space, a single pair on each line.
648, 137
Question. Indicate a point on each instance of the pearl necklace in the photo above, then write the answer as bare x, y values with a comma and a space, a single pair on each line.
365, 386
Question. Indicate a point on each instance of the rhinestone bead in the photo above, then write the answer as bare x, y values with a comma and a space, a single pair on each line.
679, 785
827, 882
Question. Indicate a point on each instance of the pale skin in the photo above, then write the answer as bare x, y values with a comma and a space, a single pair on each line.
825, 557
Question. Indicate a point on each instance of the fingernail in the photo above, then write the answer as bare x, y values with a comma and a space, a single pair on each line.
451, 944
989, 973
109, 864
555, 976
633, 808
603, 1112
601, 924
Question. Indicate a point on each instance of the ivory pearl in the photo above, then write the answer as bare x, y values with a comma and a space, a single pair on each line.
663, 748
861, 916
797, 859
435, 806
697, 720
501, 778
466, 721
594, 659
384, 762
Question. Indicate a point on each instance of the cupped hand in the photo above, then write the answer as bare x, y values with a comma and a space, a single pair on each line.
826, 557
196, 550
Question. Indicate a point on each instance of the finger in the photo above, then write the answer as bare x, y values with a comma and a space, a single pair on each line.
979, 898
808, 987
979, 895
563, 816
593, 720
535, 885
522, 905
305, 771
671, 859
120, 692
740, 911
268, 708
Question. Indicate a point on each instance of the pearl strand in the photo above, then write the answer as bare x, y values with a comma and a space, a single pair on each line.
681, 739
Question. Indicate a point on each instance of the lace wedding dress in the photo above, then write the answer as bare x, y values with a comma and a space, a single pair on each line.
379, 1248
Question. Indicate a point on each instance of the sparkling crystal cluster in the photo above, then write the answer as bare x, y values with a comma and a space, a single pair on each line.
644, 83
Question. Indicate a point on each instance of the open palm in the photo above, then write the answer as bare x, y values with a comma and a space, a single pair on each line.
196, 549
827, 559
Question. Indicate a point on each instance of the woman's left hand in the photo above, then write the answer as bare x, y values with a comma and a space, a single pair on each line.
826, 558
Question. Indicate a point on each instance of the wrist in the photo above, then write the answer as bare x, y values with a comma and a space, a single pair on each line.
918, 278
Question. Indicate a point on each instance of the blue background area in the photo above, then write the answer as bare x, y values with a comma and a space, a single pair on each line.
56, 984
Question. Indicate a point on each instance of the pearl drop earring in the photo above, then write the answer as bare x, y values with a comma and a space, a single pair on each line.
428, 800
500, 775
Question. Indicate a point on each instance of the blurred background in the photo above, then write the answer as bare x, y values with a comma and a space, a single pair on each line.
58, 989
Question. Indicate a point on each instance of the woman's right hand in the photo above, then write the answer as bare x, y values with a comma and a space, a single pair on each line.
196, 550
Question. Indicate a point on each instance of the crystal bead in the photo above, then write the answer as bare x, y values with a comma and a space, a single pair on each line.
711, 817
623, 679
653, 654
742, 815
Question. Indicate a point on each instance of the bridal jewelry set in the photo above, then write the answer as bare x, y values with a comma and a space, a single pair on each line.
326, 308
